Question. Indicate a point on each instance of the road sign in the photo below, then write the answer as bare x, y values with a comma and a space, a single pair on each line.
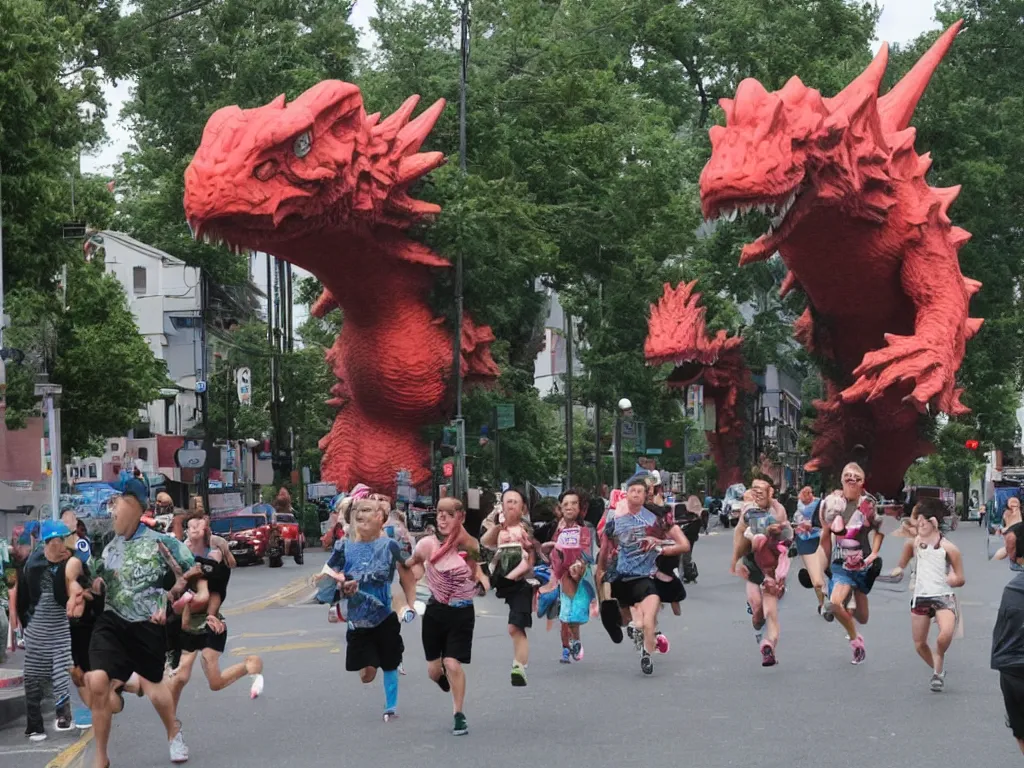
200, 387
506, 415
628, 429
243, 383
654, 451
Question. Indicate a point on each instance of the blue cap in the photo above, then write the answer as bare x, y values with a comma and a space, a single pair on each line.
32, 528
135, 487
54, 529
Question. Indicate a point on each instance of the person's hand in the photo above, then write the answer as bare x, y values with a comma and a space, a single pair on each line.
741, 570
647, 543
896, 573
577, 569
870, 559
76, 605
774, 529
214, 623
349, 588
159, 616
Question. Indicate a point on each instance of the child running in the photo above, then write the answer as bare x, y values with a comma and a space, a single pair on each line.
363, 564
940, 569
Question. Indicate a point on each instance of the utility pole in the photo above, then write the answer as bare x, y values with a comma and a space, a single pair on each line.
568, 402
459, 476
3, 317
204, 484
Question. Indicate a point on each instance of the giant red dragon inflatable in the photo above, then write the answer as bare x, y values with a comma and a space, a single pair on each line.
319, 183
677, 334
867, 240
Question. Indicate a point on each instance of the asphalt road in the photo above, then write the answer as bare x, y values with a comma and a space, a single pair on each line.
709, 703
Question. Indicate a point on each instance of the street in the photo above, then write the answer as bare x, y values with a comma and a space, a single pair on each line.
709, 703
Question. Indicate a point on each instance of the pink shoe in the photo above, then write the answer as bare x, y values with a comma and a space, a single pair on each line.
767, 655
859, 651
661, 643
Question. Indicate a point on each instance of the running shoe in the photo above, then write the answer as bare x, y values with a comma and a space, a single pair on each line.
630, 630
35, 734
461, 727
401, 669
408, 615
661, 643
179, 749
826, 612
767, 655
64, 722
518, 675
938, 682
83, 718
859, 651
566, 657
576, 650
389, 716
638, 639
257, 686
333, 615
646, 663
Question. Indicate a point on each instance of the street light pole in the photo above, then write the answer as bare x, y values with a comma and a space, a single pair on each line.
459, 475
51, 406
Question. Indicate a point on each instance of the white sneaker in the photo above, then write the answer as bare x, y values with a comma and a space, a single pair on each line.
38, 736
179, 749
257, 686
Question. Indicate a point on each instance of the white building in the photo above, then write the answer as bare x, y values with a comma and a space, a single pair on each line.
164, 297
550, 366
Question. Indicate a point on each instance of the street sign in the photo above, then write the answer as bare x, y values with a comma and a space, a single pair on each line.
200, 387
243, 383
654, 451
628, 429
506, 415
641, 437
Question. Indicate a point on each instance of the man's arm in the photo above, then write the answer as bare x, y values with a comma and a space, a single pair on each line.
956, 562
490, 538
681, 545
740, 543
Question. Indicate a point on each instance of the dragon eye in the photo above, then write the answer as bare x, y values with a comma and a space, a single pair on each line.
303, 144
265, 170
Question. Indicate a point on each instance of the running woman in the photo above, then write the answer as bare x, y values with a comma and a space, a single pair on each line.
807, 529
764, 525
512, 575
940, 569
449, 556
363, 564
849, 518
633, 531
1008, 638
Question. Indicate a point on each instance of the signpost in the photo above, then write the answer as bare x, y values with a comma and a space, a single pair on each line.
243, 384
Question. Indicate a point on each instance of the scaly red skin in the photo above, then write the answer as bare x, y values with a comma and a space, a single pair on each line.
871, 245
340, 211
677, 334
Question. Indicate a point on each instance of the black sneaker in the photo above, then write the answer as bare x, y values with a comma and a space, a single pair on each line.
646, 663
461, 727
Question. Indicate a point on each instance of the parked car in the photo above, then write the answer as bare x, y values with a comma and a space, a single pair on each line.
293, 539
730, 513
247, 534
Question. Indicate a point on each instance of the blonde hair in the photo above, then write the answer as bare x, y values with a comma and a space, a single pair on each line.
856, 466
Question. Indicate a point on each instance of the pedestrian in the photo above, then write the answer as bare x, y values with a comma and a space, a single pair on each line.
47, 634
940, 569
128, 636
450, 557
512, 574
851, 531
807, 530
764, 524
1008, 638
363, 565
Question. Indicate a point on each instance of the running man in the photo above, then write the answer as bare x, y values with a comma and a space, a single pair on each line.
849, 518
449, 556
940, 569
1008, 638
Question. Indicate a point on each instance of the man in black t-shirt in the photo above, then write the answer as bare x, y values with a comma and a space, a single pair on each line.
1008, 638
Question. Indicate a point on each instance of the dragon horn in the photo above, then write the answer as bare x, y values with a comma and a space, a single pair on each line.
863, 87
898, 105
394, 122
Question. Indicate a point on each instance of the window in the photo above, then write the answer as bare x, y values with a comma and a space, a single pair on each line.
139, 280
184, 322
143, 454
92, 471
115, 447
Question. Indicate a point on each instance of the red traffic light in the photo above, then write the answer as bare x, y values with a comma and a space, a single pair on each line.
971, 445
668, 443
448, 469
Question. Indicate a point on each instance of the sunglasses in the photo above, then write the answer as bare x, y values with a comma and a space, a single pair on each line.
853, 478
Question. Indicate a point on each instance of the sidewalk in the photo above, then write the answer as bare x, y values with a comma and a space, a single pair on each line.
12, 692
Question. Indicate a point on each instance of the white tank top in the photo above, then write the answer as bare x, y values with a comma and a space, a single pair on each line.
931, 573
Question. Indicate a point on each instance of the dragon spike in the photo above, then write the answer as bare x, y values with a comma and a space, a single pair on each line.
958, 236
946, 196
972, 286
324, 304
924, 162
278, 103
414, 166
898, 105
864, 86
750, 94
788, 284
727, 107
972, 326
393, 122
372, 120
412, 136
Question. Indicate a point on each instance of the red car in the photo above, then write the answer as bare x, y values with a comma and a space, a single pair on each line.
294, 539
247, 533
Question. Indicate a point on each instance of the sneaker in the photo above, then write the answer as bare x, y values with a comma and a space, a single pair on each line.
83, 718
638, 639
179, 750
826, 612
630, 630
859, 651
333, 614
518, 675
646, 663
576, 650
257, 687
64, 722
566, 657
389, 716
938, 682
767, 655
661, 643
461, 727
401, 669
408, 615
35, 733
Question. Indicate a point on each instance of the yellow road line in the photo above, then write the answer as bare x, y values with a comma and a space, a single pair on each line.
72, 754
242, 651
250, 635
289, 591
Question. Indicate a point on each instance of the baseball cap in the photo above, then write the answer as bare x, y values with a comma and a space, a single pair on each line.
54, 529
135, 487
32, 528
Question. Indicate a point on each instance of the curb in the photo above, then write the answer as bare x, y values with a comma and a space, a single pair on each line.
12, 705
74, 755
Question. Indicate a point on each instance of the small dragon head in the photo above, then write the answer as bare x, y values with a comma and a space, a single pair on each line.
791, 151
677, 334
271, 175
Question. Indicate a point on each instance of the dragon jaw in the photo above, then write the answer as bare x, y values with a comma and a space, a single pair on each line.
271, 177
787, 152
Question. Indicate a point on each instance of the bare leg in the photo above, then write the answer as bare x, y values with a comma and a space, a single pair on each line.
101, 688
457, 679
947, 623
160, 696
860, 611
520, 644
756, 606
366, 675
1020, 743
840, 594
182, 676
919, 626
648, 620
252, 665
812, 563
771, 615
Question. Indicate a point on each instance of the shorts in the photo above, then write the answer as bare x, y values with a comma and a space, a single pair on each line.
807, 546
448, 632
120, 647
755, 574
378, 647
81, 636
670, 591
861, 581
576, 609
518, 596
194, 642
1012, 686
633, 591
929, 606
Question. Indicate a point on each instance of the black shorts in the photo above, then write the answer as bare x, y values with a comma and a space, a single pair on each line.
81, 636
120, 647
633, 591
756, 575
1012, 685
448, 632
518, 596
193, 642
377, 647
670, 591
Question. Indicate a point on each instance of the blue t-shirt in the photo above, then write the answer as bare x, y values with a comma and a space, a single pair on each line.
629, 531
372, 564
808, 513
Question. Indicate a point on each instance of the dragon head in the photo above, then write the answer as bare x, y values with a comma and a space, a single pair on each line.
266, 177
788, 152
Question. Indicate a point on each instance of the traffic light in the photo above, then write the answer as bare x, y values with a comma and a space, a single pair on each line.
971, 445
